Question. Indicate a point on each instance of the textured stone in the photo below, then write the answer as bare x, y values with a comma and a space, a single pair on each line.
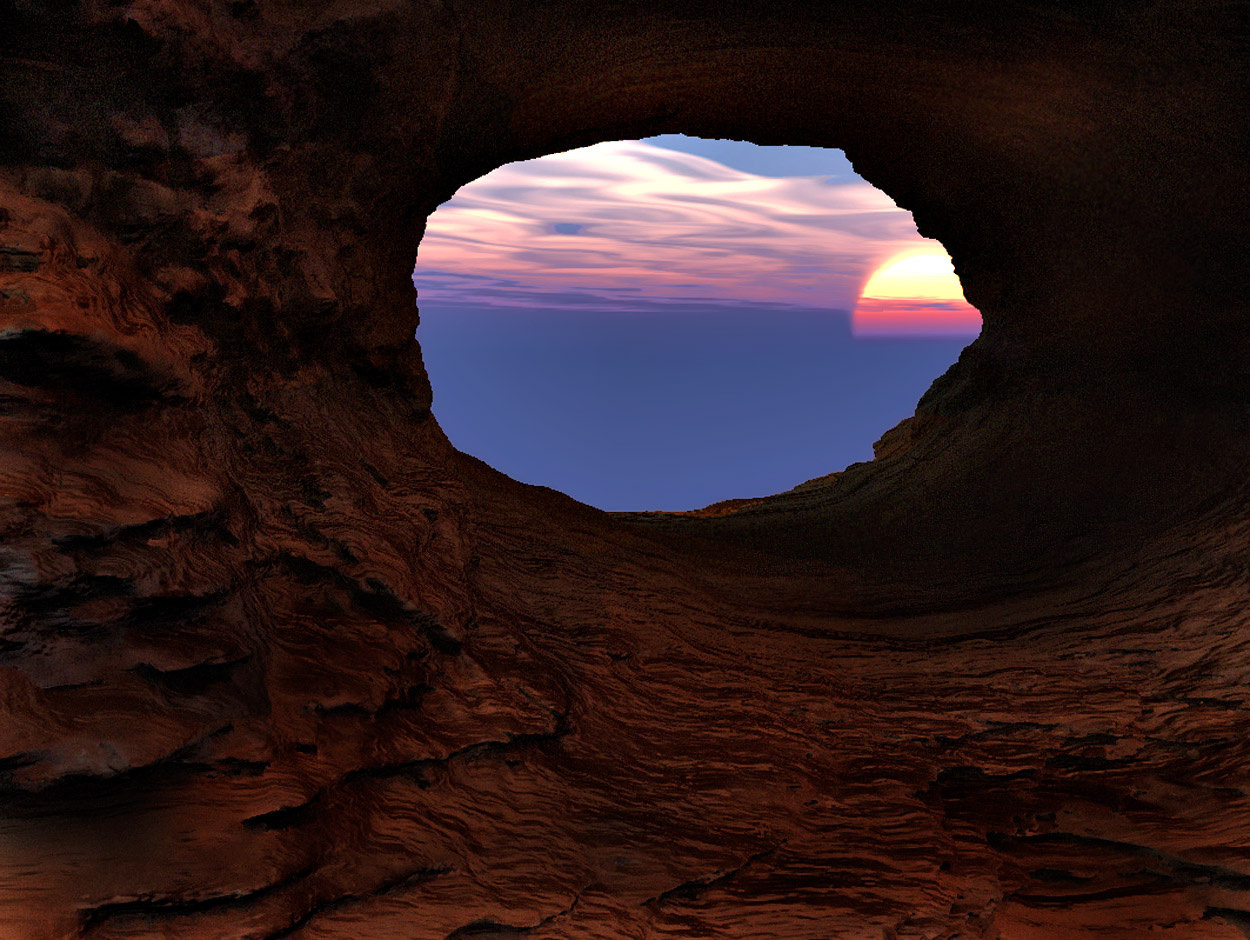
276, 661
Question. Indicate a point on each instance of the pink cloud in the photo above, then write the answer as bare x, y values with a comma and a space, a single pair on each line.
626, 221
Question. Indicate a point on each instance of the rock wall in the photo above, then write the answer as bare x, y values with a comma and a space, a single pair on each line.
276, 661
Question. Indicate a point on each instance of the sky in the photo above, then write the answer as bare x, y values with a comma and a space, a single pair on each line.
666, 323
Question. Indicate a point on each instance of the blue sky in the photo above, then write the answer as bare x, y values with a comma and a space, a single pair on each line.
666, 324
764, 161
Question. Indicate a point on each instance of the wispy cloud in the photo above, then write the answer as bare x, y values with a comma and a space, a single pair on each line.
629, 223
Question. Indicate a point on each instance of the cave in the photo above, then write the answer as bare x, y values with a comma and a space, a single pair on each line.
277, 661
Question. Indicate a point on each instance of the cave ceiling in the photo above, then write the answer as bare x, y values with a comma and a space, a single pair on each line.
277, 661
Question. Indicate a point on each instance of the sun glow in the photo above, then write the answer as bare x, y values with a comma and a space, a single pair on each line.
925, 274
915, 293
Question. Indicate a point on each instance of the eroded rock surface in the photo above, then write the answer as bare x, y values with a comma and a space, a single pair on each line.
276, 661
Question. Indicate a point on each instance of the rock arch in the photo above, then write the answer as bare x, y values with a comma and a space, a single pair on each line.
276, 661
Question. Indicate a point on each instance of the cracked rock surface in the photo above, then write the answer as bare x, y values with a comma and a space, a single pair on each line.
277, 661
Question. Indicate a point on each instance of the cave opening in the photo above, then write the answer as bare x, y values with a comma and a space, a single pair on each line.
667, 323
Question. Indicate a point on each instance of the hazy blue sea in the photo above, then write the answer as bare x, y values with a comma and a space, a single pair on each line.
671, 408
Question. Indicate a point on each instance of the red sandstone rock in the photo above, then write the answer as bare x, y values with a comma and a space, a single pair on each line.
275, 661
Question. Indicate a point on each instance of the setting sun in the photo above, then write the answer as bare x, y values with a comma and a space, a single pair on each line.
915, 293
924, 273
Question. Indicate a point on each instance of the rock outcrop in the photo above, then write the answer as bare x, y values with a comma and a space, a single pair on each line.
276, 661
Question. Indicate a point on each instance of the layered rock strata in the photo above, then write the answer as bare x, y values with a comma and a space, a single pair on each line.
277, 661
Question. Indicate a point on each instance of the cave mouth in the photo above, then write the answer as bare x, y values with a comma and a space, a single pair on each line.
669, 323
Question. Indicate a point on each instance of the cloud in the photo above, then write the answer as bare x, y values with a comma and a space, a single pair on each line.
627, 222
